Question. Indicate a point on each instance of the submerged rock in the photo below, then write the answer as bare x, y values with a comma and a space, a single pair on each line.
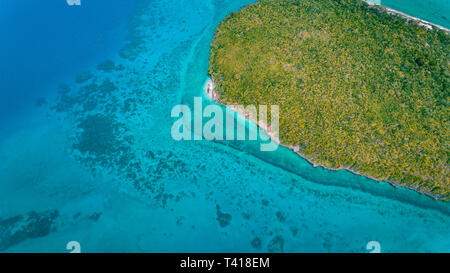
224, 219
276, 244
19, 228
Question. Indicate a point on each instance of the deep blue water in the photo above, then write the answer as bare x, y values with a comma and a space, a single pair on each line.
94, 162
47, 42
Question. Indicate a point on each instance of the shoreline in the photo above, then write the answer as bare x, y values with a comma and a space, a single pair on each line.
210, 93
420, 22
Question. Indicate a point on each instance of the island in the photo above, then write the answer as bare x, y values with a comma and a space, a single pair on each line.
359, 87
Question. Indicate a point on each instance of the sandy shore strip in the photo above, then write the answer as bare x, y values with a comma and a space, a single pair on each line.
211, 94
423, 23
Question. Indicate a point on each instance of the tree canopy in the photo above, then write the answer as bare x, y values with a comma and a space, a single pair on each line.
358, 88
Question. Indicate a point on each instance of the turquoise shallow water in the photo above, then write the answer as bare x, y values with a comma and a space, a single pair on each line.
435, 11
96, 164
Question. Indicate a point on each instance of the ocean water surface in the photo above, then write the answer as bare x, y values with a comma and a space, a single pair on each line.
434, 11
87, 153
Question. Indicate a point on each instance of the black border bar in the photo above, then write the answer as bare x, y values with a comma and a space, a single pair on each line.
229, 262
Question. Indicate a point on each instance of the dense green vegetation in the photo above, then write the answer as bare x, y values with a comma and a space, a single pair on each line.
357, 88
